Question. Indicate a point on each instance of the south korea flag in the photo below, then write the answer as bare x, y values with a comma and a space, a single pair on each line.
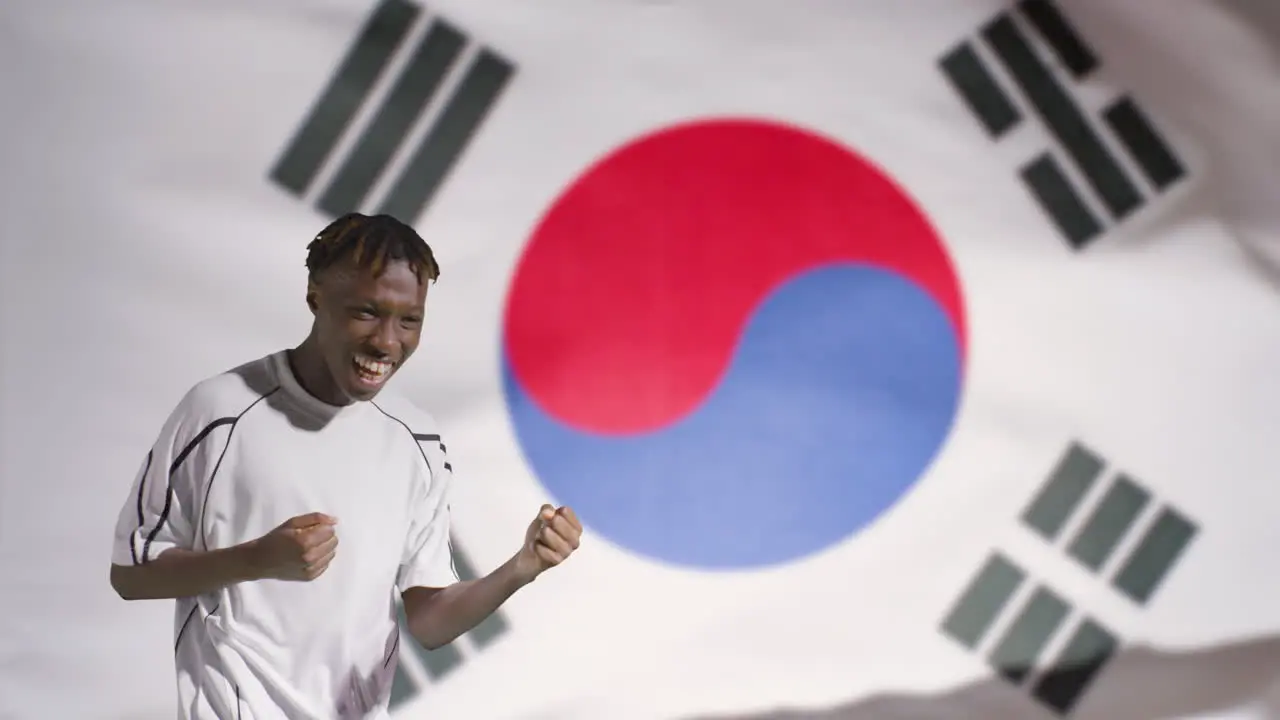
898, 364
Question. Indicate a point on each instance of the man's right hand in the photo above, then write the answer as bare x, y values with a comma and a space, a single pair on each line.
300, 548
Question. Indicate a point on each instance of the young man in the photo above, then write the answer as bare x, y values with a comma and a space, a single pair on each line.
285, 501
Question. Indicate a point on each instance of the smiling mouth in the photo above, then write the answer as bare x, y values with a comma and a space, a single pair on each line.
370, 371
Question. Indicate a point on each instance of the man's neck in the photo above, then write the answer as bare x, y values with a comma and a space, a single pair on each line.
313, 375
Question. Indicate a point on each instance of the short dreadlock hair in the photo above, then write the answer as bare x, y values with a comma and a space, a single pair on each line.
374, 241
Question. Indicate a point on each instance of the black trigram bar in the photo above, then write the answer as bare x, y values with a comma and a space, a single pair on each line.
1060, 497
982, 602
1155, 555
414, 88
447, 138
1015, 656
1109, 522
1052, 25
347, 90
1060, 201
979, 90
1067, 680
1062, 117
1144, 143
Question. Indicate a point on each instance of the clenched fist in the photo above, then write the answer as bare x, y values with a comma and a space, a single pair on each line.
300, 548
550, 540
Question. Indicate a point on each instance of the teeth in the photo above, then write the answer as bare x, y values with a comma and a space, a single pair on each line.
373, 367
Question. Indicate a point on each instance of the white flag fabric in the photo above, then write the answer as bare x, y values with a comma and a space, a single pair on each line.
900, 361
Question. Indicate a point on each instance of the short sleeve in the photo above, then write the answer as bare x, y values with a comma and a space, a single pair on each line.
157, 514
428, 558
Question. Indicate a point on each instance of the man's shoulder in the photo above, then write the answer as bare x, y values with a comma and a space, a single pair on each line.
417, 419
230, 392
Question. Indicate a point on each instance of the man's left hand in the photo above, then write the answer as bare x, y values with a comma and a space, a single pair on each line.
551, 538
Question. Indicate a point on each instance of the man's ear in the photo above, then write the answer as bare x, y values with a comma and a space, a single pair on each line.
311, 296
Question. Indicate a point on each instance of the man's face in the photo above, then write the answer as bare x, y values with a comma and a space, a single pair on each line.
367, 326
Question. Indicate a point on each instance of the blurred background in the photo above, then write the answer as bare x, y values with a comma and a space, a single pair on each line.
903, 359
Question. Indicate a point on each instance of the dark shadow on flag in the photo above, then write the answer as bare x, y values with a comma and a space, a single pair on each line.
1138, 683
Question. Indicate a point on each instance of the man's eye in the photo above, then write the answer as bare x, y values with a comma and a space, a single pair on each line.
413, 321
364, 314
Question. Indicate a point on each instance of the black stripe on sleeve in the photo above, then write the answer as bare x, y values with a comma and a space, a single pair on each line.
168, 494
177, 464
191, 446
142, 490
204, 541
418, 438
423, 437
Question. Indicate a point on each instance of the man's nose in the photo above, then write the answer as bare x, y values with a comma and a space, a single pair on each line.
384, 338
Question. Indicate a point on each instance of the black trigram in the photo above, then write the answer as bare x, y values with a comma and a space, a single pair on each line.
1015, 654
1002, 593
1083, 141
365, 129
435, 665
1125, 508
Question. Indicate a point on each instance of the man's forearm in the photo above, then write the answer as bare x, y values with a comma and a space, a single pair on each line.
178, 573
449, 612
